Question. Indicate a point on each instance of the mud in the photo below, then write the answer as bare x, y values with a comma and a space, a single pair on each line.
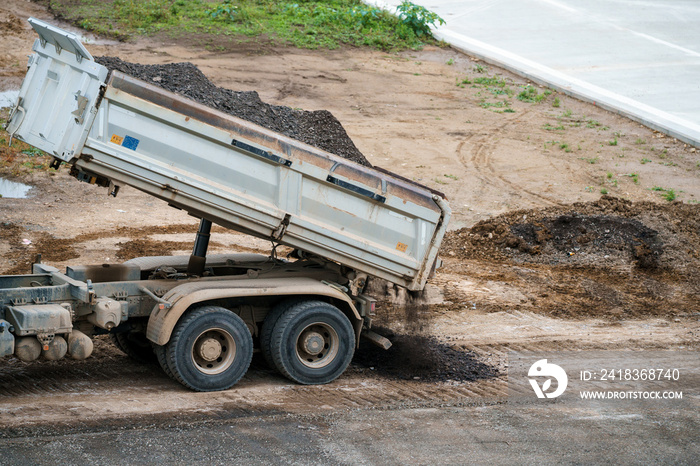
606, 233
318, 128
612, 257
422, 357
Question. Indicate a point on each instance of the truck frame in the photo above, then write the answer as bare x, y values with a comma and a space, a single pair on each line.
202, 316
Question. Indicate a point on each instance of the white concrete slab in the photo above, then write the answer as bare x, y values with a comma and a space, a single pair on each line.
640, 58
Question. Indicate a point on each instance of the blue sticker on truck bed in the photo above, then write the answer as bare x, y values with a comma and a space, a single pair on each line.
130, 143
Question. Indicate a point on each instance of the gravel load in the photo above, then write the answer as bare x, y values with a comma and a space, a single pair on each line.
318, 128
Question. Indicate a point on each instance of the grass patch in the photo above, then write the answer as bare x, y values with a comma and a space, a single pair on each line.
668, 194
306, 24
530, 95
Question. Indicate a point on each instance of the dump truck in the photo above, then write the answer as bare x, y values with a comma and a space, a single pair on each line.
202, 316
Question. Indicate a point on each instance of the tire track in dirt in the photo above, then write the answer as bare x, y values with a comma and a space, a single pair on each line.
112, 390
479, 162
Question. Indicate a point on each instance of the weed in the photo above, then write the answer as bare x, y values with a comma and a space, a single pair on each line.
663, 154
603, 191
634, 176
439, 181
499, 104
33, 152
591, 161
657, 188
463, 82
450, 62
640, 141
609, 175
592, 124
493, 81
225, 11
530, 95
670, 195
556, 102
452, 177
418, 18
549, 127
645, 161
613, 142
567, 113
479, 68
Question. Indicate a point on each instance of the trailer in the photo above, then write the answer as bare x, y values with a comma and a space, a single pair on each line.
202, 316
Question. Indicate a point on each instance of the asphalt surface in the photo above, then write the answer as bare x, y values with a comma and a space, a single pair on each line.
499, 433
638, 58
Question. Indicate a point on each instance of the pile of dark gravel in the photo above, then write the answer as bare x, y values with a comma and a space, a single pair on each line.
421, 357
318, 128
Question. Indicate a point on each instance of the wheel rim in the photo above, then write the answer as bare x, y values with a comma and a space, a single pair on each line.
213, 351
317, 345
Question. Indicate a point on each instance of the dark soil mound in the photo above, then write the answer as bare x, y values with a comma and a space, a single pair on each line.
319, 128
609, 258
421, 357
607, 233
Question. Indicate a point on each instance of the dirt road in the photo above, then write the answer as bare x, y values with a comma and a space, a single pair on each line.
619, 273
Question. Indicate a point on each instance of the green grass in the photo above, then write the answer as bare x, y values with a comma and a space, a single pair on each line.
307, 24
530, 95
549, 127
668, 194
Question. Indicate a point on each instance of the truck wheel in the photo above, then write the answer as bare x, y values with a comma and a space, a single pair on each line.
268, 327
312, 343
135, 345
162, 360
210, 349
115, 342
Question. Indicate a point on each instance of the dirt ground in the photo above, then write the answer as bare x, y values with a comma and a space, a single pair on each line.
536, 257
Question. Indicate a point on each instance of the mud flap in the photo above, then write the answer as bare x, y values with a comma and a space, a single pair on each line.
7, 340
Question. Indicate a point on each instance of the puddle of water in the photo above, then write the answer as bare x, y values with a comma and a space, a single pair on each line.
13, 190
8, 98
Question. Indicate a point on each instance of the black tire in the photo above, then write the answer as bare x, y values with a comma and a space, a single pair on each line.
163, 360
268, 327
210, 349
115, 342
312, 343
135, 345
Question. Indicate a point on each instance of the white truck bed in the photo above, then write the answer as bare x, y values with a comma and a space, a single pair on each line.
122, 131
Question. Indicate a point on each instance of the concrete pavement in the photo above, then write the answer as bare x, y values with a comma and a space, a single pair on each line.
639, 58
